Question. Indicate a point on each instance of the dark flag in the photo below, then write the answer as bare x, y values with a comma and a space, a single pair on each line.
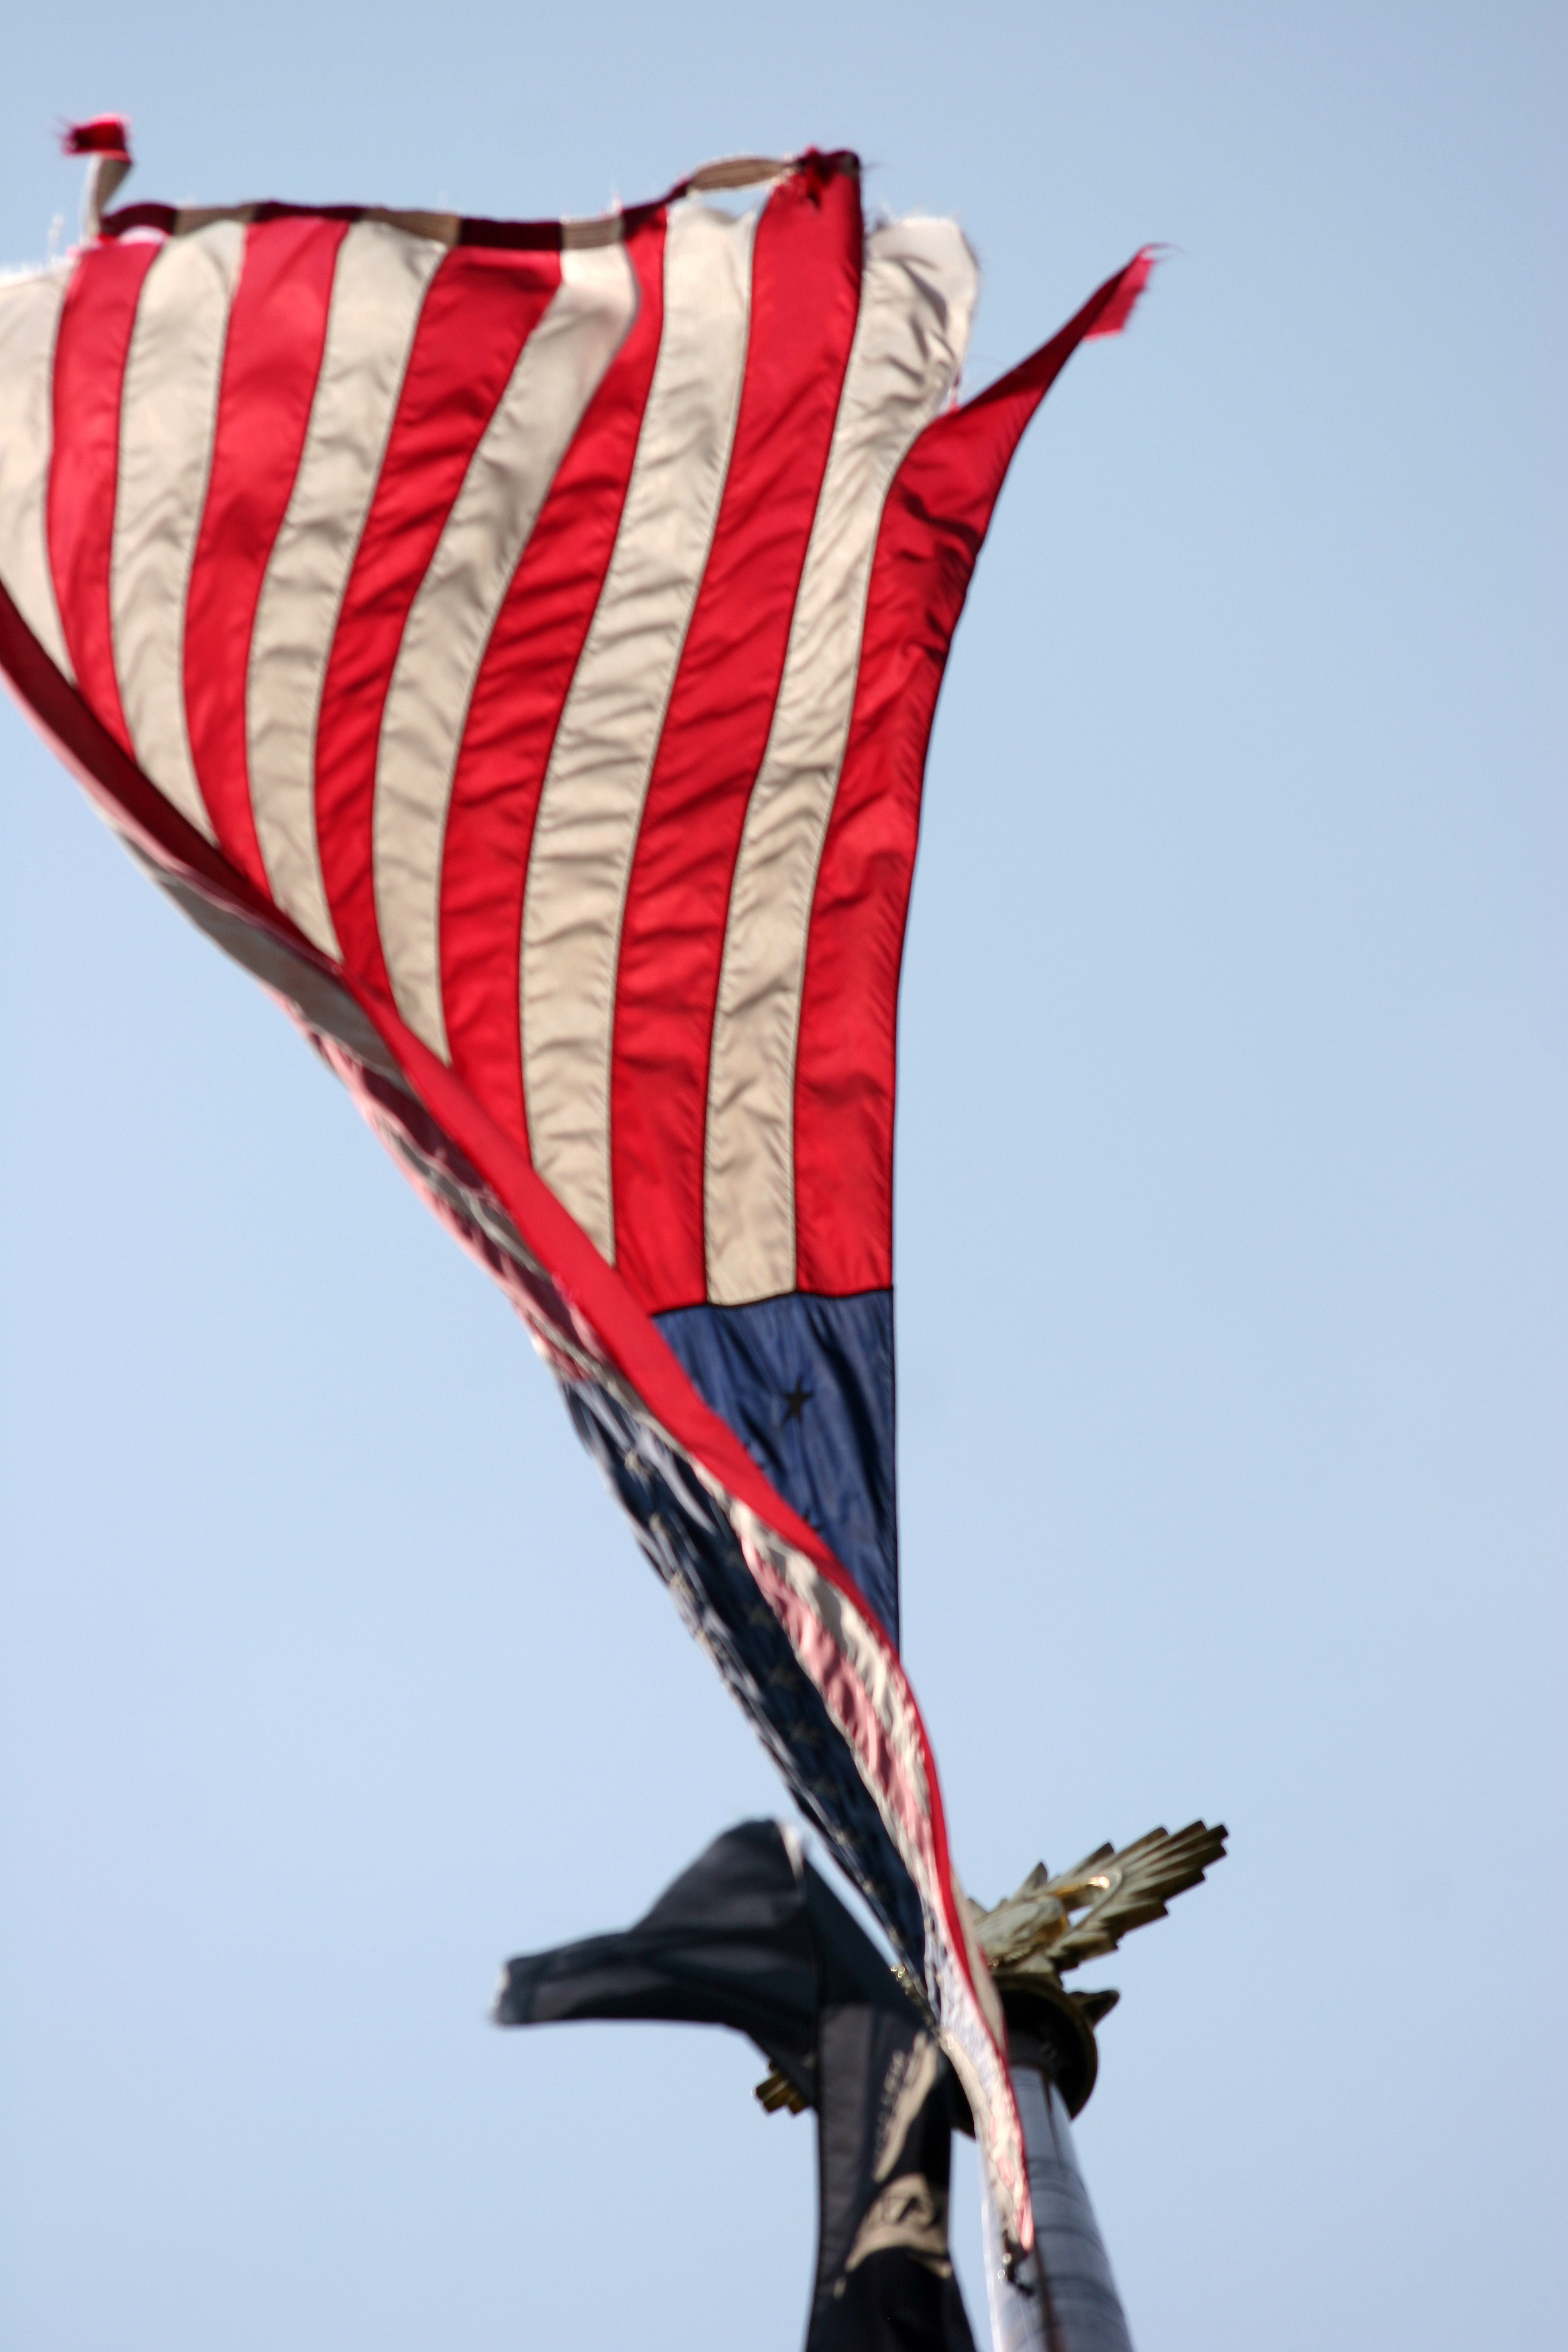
752, 1938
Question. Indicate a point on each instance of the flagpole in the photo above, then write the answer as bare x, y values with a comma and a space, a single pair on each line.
1064, 2298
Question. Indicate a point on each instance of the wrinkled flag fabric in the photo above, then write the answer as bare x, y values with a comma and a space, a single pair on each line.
752, 1938
517, 644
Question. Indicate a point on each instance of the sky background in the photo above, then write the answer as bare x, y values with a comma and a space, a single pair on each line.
1230, 1258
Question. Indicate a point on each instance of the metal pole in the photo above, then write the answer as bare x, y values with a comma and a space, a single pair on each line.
1066, 2298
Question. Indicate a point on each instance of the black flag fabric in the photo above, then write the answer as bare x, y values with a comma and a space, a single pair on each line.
752, 1938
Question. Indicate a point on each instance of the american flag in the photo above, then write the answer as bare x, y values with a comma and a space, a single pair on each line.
517, 643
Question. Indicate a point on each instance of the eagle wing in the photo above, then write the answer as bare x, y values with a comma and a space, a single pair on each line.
1112, 1893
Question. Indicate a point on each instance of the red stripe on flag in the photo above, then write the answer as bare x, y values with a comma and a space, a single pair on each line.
479, 311
90, 352
936, 517
806, 280
516, 708
277, 332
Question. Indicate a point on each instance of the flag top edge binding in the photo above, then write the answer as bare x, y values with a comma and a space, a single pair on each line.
451, 229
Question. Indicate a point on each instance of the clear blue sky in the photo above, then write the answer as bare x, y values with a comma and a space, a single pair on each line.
1231, 1274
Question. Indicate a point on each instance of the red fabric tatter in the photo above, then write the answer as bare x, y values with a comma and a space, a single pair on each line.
805, 283
479, 311
277, 332
516, 708
936, 517
106, 134
90, 352
1128, 286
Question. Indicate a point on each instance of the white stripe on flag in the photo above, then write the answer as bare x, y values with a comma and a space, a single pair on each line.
29, 321
594, 789
557, 374
168, 421
916, 302
378, 291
